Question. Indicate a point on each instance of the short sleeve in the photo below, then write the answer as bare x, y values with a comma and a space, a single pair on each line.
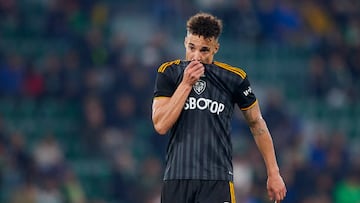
164, 86
244, 95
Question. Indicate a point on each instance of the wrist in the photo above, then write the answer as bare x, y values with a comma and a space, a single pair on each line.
273, 172
185, 85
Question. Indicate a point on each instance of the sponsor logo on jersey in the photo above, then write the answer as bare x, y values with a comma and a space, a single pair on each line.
199, 86
204, 104
248, 91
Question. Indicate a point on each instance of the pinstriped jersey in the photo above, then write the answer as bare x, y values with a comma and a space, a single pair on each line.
200, 144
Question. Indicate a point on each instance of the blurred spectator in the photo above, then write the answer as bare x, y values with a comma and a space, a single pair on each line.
348, 190
124, 68
289, 23
56, 24
122, 113
318, 152
317, 17
12, 17
340, 78
140, 82
243, 177
96, 52
151, 178
73, 75
353, 57
25, 193
77, 16
355, 69
73, 191
99, 80
3, 153
318, 78
49, 192
338, 159
281, 122
266, 11
49, 159
163, 11
33, 82
12, 75
20, 155
153, 51
18, 164
243, 20
352, 32
53, 80
115, 141
117, 48
12, 178
124, 179
100, 15
93, 126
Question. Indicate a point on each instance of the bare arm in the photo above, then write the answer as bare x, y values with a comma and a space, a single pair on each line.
275, 185
166, 110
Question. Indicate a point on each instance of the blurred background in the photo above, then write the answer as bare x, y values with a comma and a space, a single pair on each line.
76, 86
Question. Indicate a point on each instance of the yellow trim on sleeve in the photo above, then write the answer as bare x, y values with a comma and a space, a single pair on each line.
249, 107
165, 65
235, 70
160, 97
232, 192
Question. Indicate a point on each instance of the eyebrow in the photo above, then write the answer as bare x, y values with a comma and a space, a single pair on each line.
202, 48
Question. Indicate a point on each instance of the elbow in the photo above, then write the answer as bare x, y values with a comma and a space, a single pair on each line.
160, 124
161, 129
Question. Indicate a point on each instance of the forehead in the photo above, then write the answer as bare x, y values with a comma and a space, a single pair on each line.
200, 40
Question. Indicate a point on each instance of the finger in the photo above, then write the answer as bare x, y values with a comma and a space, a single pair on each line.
200, 70
278, 197
270, 195
197, 70
195, 77
193, 64
198, 66
192, 67
283, 193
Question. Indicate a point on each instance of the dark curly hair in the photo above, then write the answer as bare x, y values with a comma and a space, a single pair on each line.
204, 24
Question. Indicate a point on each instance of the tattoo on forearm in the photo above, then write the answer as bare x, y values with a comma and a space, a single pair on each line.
258, 131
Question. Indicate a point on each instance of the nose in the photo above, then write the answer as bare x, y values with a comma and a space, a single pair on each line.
197, 56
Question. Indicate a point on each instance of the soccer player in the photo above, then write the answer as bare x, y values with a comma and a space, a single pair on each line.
194, 100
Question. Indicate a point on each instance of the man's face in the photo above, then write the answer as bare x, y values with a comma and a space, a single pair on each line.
200, 48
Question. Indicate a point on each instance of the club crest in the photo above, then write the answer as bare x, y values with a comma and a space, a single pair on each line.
199, 86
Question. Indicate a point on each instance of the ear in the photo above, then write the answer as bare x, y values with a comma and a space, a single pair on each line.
185, 41
217, 46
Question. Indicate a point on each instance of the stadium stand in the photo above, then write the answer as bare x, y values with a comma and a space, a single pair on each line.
76, 82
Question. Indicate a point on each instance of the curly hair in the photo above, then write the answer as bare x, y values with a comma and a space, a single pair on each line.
204, 24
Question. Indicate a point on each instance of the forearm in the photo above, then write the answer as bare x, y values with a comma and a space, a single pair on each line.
166, 113
275, 184
265, 145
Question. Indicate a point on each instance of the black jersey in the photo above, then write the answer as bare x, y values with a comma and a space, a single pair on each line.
200, 144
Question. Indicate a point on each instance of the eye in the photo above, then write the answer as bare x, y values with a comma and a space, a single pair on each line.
205, 50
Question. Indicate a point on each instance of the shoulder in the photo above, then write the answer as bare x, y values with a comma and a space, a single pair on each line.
163, 67
235, 70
